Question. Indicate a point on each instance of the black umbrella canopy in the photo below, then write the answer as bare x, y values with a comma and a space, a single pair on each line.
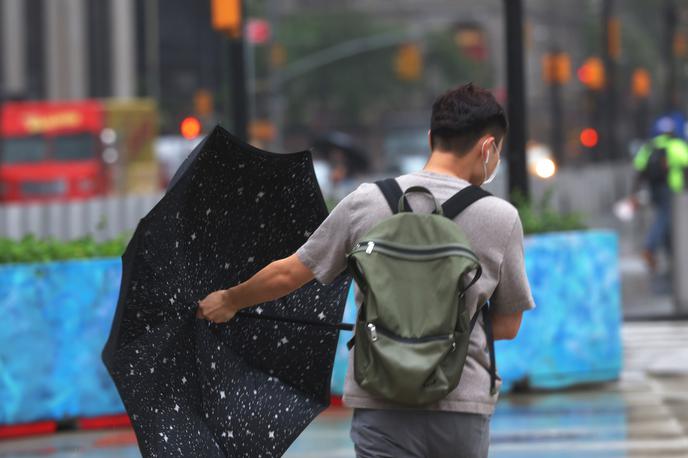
248, 387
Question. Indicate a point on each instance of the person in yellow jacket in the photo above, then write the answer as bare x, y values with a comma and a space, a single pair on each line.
662, 164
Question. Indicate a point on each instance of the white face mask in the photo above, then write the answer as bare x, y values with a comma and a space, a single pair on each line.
491, 178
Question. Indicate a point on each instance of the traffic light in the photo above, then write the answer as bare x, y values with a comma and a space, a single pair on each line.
190, 127
591, 73
614, 37
278, 55
589, 137
556, 68
470, 38
203, 102
680, 45
408, 63
641, 83
227, 17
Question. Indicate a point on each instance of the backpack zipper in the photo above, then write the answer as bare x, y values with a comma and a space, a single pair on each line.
405, 252
373, 330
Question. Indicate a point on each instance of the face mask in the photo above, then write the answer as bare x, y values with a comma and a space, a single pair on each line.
489, 179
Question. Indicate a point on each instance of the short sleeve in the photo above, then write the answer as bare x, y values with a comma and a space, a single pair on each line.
324, 253
513, 294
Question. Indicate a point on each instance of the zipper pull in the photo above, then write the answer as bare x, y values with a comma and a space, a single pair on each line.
371, 245
373, 332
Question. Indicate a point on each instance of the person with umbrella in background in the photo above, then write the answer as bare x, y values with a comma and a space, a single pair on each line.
343, 161
467, 132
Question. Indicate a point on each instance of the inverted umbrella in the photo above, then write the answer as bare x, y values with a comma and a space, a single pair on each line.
250, 386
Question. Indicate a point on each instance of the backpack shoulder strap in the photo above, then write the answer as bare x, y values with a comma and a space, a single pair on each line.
462, 200
392, 192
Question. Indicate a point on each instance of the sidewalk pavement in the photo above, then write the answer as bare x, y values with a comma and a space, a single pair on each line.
643, 415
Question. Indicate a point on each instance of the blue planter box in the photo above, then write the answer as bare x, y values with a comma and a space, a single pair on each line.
574, 334
56, 318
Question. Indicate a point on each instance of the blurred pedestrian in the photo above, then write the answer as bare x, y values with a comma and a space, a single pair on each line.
467, 133
346, 161
661, 165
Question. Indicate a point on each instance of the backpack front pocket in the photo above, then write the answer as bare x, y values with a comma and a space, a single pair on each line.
405, 370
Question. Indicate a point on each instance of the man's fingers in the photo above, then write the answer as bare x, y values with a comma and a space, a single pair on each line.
217, 316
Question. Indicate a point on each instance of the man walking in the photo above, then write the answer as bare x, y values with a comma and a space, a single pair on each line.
467, 132
661, 164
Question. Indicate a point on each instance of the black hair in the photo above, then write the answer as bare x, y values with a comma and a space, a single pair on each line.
464, 114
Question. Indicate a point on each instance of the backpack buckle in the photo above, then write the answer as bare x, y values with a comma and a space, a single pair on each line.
372, 331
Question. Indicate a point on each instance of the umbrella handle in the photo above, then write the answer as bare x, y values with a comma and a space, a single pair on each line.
321, 324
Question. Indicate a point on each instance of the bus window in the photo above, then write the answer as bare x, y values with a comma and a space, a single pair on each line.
74, 147
23, 150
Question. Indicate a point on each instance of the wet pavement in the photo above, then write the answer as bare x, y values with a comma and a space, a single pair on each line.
645, 414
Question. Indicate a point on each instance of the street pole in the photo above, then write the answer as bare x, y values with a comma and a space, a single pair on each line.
516, 103
554, 62
608, 106
228, 17
238, 98
670, 30
277, 99
152, 14
557, 128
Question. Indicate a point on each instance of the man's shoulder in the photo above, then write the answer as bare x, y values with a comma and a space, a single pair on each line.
364, 191
364, 196
496, 212
499, 205
368, 191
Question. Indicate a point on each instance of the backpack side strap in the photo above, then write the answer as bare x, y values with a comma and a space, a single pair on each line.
392, 192
487, 323
462, 200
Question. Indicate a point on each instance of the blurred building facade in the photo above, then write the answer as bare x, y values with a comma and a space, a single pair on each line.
79, 49
75, 49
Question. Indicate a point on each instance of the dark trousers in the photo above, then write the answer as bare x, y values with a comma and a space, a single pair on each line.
419, 434
660, 231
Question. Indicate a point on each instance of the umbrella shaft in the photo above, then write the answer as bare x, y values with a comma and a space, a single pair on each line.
262, 316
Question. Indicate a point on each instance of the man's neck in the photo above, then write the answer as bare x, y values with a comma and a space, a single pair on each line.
447, 163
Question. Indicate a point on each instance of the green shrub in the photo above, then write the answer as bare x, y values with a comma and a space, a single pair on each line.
32, 249
539, 217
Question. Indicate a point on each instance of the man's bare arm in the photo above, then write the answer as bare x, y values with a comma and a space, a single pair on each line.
506, 326
276, 280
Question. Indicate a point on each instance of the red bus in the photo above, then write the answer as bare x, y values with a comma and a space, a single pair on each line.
51, 150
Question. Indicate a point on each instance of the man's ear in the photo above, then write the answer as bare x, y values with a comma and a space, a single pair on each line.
483, 146
430, 139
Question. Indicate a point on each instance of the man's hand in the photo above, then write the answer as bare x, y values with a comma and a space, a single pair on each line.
217, 307
634, 201
505, 326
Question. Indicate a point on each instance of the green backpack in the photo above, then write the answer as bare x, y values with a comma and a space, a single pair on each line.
413, 328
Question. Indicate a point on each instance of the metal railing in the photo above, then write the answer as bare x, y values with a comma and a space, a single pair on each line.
102, 218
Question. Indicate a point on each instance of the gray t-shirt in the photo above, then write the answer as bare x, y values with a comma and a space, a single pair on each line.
495, 233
